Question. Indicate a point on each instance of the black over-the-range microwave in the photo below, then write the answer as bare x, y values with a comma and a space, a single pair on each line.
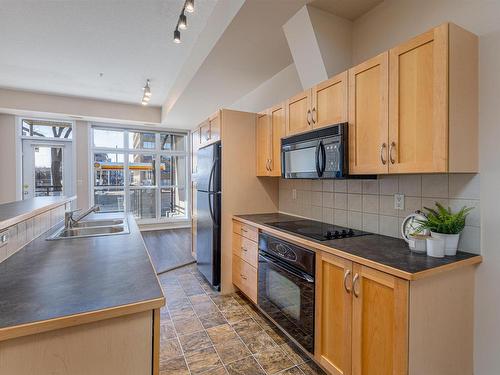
319, 154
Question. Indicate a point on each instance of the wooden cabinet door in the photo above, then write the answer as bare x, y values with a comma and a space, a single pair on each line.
298, 113
418, 102
368, 116
379, 323
204, 133
277, 127
333, 313
329, 101
263, 144
215, 127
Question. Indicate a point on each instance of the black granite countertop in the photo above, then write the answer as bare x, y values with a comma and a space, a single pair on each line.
387, 251
13, 212
52, 279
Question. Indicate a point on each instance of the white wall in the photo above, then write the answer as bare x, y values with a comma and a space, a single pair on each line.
334, 37
397, 20
8, 158
278, 88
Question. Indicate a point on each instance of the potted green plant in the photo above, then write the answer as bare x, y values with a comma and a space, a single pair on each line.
445, 224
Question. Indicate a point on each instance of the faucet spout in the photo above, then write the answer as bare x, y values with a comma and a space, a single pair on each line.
70, 221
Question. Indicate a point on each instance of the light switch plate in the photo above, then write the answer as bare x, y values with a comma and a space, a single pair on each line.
399, 201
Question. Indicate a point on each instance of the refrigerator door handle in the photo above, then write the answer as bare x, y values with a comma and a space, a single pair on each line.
210, 209
210, 177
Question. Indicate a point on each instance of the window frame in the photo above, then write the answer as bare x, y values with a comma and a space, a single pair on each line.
157, 153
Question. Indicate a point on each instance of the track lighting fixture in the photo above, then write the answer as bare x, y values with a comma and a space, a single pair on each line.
146, 96
177, 36
182, 22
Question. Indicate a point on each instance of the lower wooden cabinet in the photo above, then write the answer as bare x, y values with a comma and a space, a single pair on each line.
333, 313
369, 322
245, 259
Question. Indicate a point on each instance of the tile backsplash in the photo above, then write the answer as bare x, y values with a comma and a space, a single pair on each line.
369, 204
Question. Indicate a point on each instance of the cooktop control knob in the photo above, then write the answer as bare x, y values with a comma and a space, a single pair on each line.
329, 235
336, 234
344, 233
350, 232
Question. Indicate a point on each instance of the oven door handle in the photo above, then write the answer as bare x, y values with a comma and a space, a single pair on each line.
299, 274
318, 167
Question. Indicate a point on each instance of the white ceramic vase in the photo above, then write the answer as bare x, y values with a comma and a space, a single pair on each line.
450, 242
435, 247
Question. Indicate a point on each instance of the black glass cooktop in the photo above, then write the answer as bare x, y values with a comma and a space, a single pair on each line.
317, 230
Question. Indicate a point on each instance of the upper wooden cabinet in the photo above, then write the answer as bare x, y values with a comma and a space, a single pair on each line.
433, 102
269, 131
263, 141
429, 123
298, 113
210, 129
329, 102
323, 105
368, 117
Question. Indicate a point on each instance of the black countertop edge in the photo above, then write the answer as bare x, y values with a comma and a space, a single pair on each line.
48, 280
386, 251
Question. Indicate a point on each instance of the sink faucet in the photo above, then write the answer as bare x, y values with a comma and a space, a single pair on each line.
69, 221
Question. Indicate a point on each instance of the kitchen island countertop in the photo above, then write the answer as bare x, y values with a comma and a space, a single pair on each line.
54, 284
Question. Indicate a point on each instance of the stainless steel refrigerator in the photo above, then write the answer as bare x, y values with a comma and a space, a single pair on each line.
208, 242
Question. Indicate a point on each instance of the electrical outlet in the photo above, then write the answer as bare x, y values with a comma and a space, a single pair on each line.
294, 194
399, 201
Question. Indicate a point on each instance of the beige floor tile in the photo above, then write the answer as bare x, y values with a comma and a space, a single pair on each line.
194, 341
245, 366
212, 320
273, 360
176, 366
203, 360
232, 350
221, 333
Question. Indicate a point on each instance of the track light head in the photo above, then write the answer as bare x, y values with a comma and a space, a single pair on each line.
189, 6
177, 36
182, 22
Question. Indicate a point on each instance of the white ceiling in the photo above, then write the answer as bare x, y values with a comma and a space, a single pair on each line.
61, 46
349, 9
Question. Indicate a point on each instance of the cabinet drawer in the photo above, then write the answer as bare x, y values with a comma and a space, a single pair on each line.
245, 277
245, 249
246, 231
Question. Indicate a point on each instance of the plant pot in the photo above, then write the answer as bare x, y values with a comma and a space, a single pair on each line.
435, 247
450, 242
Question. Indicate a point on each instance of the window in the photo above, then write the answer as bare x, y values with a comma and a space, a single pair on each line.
142, 172
46, 129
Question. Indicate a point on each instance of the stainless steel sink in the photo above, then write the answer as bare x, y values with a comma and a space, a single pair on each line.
92, 228
98, 223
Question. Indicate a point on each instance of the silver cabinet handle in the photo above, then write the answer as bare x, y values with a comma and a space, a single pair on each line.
382, 148
308, 116
354, 283
243, 276
270, 165
242, 248
346, 275
393, 145
314, 117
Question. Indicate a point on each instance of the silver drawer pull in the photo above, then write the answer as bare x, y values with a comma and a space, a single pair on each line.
242, 248
243, 276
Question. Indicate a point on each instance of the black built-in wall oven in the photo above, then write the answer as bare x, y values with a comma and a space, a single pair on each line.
286, 288
320, 154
